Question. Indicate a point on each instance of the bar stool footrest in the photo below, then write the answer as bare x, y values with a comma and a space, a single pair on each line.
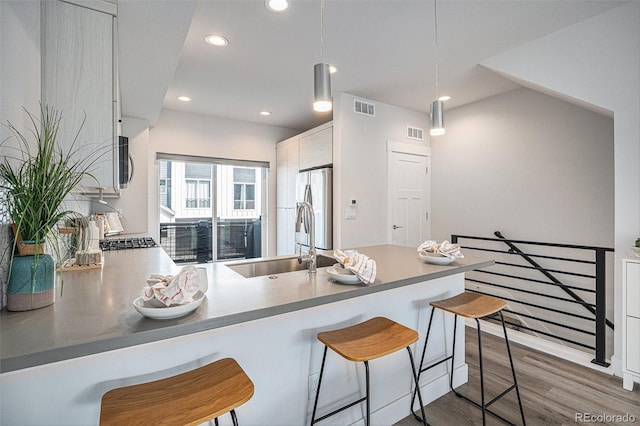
364, 398
486, 408
428, 367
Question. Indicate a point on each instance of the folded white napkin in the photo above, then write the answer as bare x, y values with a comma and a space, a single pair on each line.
452, 251
361, 265
173, 290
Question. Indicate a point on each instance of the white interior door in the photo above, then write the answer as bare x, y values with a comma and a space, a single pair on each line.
409, 198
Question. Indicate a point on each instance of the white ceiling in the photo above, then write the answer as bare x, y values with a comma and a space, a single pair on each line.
384, 49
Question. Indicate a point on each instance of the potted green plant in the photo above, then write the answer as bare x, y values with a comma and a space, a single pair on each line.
36, 181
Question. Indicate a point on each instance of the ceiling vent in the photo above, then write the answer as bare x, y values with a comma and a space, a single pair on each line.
365, 108
414, 133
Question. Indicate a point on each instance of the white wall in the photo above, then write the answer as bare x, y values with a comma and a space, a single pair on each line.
360, 167
529, 165
19, 87
535, 168
181, 133
596, 62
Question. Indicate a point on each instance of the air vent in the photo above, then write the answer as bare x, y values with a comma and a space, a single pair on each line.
365, 108
414, 133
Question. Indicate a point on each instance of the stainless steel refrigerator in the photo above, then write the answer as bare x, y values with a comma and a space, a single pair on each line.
316, 187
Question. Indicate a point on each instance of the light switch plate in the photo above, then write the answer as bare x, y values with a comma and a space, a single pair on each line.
351, 212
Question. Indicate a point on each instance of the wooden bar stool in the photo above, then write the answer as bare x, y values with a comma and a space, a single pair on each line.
363, 342
476, 306
189, 398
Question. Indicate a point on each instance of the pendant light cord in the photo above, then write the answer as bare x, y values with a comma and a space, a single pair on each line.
435, 18
322, 31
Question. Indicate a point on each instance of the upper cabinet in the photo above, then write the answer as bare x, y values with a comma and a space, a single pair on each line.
79, 80
316, 148
286, 170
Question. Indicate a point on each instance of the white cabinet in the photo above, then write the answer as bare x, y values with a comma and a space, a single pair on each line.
286, 171
78, 80
633, 346
630, 322
316, 149
311, 149
285, 222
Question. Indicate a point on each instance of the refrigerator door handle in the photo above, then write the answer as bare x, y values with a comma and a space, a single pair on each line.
307, 194
307, 214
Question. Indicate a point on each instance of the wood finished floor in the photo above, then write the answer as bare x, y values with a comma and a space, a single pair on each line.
552, 390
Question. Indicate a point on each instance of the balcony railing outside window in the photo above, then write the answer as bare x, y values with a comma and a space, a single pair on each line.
192, 241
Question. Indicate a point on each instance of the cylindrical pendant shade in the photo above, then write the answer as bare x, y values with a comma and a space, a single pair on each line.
322, 88
437, 118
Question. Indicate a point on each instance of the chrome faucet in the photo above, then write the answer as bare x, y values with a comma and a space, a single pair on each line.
305, 214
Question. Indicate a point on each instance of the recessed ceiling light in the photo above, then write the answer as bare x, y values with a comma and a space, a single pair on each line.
265, 113
444, 98
333, 69
276, 5
216, 40
184, 98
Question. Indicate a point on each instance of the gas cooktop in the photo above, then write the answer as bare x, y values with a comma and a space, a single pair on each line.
127, 243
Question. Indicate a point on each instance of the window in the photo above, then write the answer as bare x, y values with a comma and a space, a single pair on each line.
198, 193
198, 185
209, 207
244, 188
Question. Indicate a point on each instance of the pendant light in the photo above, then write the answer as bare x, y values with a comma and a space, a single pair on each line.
437, 106
322, 75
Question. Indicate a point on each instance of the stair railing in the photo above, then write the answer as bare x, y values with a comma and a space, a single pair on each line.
596, 311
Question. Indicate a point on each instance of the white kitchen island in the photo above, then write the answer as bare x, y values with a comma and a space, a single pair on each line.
67, 355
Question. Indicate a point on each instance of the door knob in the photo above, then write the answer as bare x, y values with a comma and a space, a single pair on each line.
397, 227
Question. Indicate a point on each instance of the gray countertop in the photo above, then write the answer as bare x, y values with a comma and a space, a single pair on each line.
95, 313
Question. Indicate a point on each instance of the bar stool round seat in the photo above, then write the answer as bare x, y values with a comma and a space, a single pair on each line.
470, 305
363, 342
474, 306
189, 398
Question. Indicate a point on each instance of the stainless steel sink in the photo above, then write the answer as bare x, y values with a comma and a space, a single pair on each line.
260, 268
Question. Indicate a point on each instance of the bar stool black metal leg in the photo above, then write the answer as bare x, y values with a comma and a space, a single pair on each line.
416, 379
453, 353
424, 351
483, 406
513, 370
315, 404
366, 368
216, 421
234, 418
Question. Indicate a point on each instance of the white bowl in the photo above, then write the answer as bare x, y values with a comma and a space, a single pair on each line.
151, 310
434, 258
342, 275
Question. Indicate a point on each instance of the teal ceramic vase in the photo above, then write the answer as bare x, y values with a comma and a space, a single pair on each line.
31, 282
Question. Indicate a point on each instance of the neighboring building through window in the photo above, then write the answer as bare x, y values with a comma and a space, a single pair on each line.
244, 188
198, 185
165, 183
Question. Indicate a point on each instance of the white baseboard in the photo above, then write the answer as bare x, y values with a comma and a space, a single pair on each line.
616, 365
543, 345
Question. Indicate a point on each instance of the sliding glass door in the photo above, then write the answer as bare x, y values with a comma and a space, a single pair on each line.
209, 210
